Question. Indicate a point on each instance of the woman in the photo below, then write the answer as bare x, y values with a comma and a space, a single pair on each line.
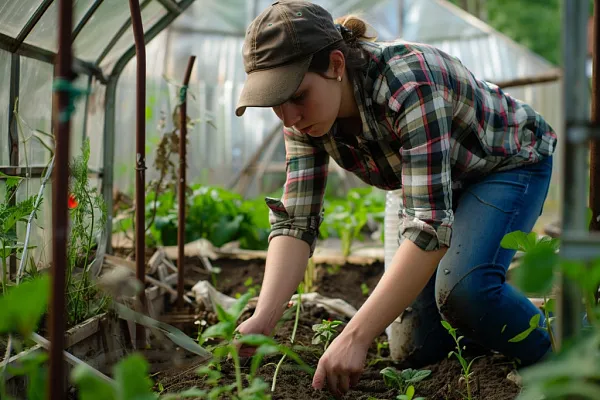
473, 164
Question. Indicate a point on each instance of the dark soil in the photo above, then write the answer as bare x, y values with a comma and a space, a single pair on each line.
489, 376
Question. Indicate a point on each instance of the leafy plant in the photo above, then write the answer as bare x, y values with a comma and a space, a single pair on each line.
212, 213
21, 308
88, 218
347, 217
572, 371
325, 332
10, 216
381, 345
225, 330
131, 381
534, 323
403, 381
466, 366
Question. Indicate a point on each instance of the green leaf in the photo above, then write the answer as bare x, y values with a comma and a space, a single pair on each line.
238, 307
132, 379
256, 340
550, 306
535, 274
533, 325
418, 375
22, 307
516, 240
223, 315
90, 386
189, 393
391, 377
222, 330
174, 334
447, 325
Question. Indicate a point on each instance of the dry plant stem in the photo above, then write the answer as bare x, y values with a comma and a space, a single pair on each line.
292, 339
38, 199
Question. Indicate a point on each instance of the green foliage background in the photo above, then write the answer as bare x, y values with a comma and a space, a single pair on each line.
536, 24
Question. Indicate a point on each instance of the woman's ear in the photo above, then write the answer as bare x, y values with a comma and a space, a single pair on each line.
337, 63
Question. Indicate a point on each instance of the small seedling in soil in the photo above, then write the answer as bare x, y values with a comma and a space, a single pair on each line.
364, 289
381, 345
534, 322
404, 381
324, 332
225, 330
466, 367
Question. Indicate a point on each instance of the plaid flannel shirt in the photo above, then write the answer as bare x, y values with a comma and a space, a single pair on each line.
427, 125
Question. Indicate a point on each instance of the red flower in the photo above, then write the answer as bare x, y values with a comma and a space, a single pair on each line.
72, 202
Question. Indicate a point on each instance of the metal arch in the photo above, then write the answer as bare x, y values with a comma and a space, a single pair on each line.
88, 15
119, 34
35, 18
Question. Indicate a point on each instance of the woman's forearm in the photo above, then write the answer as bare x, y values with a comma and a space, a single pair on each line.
408, 274
287, 258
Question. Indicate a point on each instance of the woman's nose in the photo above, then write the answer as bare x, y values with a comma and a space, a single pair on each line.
288, 114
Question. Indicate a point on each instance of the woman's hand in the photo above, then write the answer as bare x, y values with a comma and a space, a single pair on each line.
341, 365
253, 325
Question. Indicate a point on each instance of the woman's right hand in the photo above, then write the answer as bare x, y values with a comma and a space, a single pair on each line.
253, 325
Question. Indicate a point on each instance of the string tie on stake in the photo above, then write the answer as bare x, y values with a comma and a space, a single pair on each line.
73, 92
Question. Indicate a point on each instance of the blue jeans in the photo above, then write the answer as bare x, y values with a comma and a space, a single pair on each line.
469, 288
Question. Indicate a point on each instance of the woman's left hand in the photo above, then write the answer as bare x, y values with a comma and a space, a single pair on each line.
341, 365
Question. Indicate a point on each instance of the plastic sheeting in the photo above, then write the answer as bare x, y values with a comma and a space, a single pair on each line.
4, 105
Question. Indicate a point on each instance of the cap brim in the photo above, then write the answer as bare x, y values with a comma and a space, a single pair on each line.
272, 87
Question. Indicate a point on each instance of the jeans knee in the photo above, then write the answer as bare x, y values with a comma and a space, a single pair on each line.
464, 302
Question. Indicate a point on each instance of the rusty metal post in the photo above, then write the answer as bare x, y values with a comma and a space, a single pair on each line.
60, 216
182, 180
140, 164
595, 143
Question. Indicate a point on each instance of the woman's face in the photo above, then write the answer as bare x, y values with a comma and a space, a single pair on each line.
314, 107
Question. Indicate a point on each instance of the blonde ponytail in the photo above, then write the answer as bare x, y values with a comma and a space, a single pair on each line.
355, 29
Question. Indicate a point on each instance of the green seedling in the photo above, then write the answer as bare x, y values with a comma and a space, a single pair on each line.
381, 345
225, 330
404, 381
325, 332
534, 323
466, 366
292, 338
364, 289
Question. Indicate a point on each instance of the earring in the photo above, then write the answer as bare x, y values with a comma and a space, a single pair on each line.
339, 78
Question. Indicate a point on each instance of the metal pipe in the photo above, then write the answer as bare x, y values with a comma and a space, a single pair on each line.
13, 139
109, 116
575, 156
60, 218
29, 25
182, 180
88, 15
140, 165
595, 142
8, 43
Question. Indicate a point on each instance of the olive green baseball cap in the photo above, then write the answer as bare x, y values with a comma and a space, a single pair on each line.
278, 49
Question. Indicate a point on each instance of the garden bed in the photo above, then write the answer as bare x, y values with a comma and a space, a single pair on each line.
490, 372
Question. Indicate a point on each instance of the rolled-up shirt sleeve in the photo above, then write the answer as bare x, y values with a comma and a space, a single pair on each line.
299, 212
424, 122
